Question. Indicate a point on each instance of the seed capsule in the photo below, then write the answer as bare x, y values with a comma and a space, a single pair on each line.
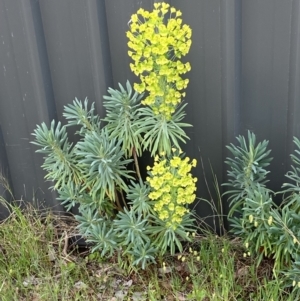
251, 218
270, 220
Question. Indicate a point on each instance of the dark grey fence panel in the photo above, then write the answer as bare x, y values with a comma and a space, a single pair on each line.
77, 47
266, 27
245, 59
25, 97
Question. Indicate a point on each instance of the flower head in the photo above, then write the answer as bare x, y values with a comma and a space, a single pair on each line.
172, 188
157, 45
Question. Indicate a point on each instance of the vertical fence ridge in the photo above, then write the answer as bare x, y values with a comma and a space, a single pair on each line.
293, 120
99, 51
231, 35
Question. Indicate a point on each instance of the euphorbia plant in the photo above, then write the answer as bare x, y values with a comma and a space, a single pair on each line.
119, 211
267, 230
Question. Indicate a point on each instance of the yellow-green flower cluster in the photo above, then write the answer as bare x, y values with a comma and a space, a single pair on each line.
172, 187
156, 48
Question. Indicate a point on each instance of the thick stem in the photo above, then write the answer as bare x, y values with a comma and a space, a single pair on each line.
119, 207
123, 199
136, 163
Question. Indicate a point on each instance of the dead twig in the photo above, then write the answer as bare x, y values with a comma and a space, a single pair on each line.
66, 244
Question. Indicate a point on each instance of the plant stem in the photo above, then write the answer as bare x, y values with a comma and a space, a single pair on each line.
136, 163
119, 207
123, 199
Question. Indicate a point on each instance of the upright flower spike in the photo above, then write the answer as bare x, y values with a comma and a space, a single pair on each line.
156, 49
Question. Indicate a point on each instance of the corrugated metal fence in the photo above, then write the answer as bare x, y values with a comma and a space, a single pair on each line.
245, 74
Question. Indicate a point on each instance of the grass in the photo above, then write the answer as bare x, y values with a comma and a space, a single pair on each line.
37, 263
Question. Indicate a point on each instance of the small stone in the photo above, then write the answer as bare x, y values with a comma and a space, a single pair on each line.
128, 283
138, 296
120, 295
80, 285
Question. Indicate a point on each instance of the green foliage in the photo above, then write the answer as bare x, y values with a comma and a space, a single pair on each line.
102, 236
143, 254
266, 229
70, 194
131, 229
116, 214
138, 196
160, 133
102, 164
60, 161
293, 276
169, 237
122, 118
88, 219
79, 114
247, 168
292, 189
